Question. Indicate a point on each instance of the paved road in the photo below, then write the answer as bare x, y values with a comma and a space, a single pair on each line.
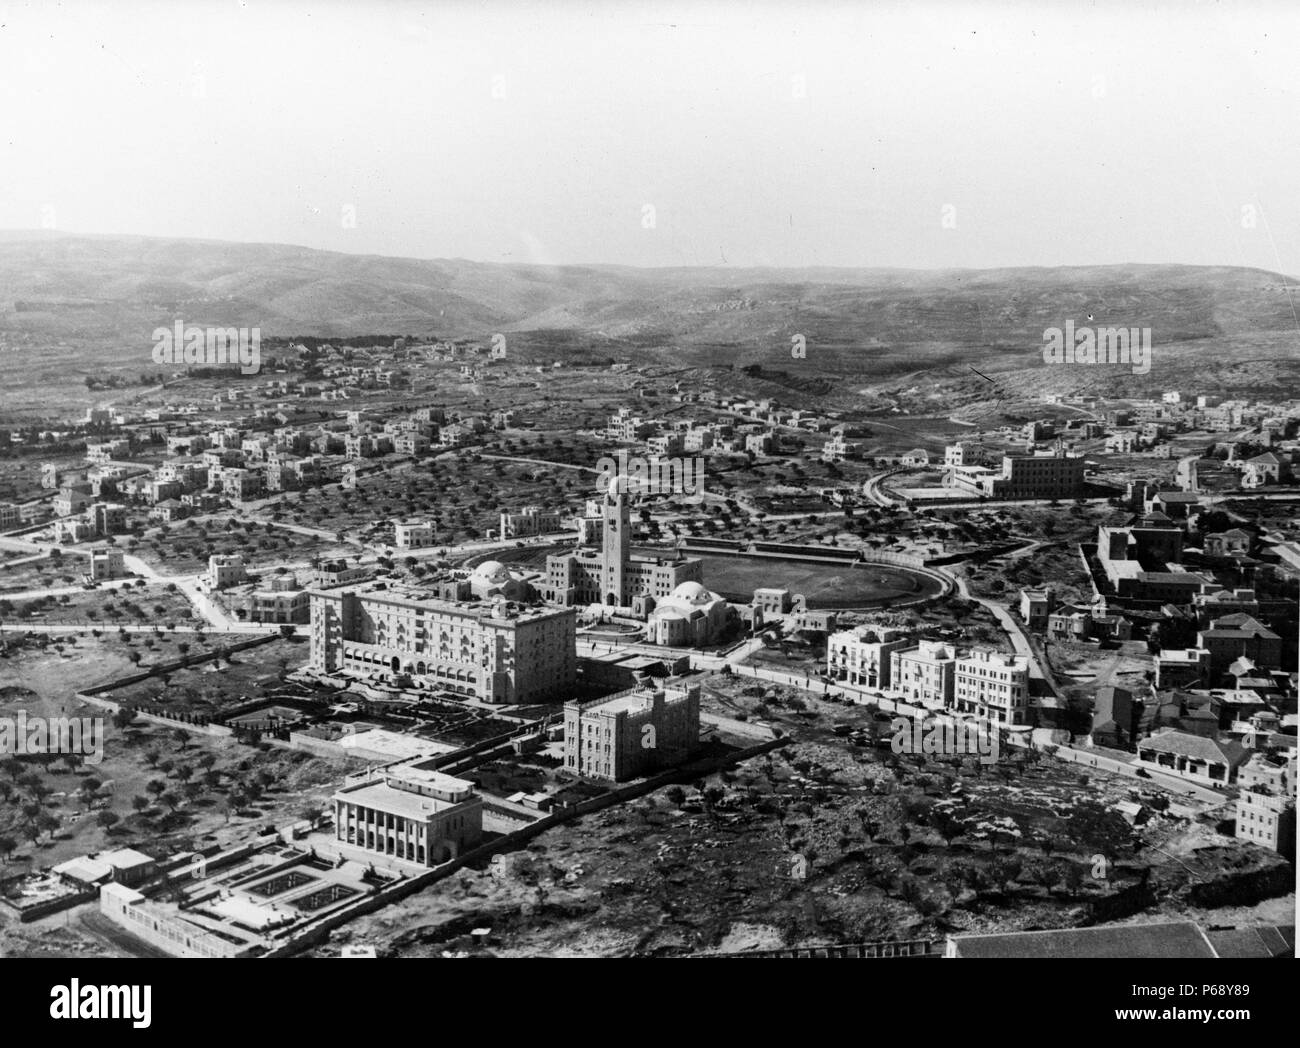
1020, 641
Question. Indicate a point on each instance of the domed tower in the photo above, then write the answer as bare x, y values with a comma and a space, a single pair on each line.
616, 511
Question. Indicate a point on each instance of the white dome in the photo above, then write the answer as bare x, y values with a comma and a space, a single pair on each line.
692, 593
493, 570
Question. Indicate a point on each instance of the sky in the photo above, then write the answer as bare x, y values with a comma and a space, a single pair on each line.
809, 133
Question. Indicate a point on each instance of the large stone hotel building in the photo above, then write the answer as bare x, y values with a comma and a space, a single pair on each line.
498, 652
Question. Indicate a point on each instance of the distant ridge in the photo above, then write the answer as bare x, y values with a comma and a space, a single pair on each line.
111, 291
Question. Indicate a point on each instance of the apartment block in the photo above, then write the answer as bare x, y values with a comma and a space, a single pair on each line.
924, 674
994, 686
1265, 811
862, 656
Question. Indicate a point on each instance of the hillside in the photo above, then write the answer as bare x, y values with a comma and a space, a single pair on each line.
102, 296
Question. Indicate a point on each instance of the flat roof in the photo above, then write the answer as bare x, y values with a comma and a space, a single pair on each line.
392, 744
633, 699
393, 801
1156, 941
418, 601
125, 858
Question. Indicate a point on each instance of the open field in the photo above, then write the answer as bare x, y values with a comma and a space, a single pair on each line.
824, 585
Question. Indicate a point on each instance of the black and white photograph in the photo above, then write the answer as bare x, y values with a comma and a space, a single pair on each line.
553, 480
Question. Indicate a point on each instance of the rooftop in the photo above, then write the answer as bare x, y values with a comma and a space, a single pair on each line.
1156, 941
1194, 746
393, 801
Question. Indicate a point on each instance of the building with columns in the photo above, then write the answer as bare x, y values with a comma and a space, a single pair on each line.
410, 813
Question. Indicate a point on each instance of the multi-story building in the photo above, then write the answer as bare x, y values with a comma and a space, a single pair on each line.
413, 534
957, 455
530, 520
1227, 543
862, 656
106, 563
772, 600
282, 602
1239, 636
106, 518
73, 529
837, 449
1183, 668
923, 673
411, 443
499, 653
697, 438
241, 484
1035, 607
71, 500
664, 444
1267, 803
633, 733
994, 686
1050, 475
627, 427
410, 813
225, 570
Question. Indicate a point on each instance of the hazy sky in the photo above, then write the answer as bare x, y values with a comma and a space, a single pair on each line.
804, 133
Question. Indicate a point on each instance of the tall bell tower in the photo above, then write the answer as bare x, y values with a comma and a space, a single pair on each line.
616, 542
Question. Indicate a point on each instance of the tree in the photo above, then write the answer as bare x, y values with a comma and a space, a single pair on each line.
157, 787
139, 803
47, 823
7, 847
946, 826
171, 798
312, 813
107, 820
